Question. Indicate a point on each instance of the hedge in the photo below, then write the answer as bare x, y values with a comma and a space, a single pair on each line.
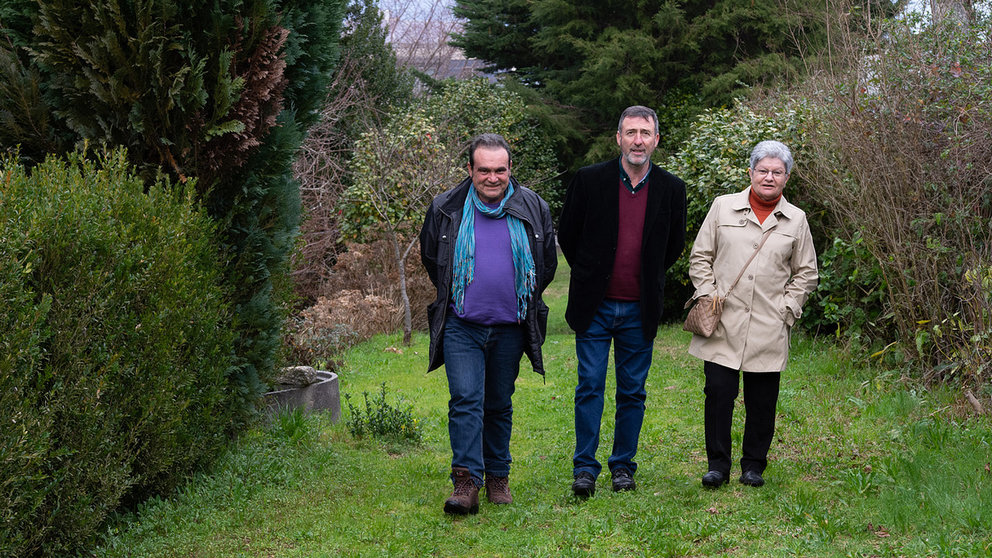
115, 347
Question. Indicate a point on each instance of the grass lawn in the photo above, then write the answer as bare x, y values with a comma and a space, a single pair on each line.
863, 464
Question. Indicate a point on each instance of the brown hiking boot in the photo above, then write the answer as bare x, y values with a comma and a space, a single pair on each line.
465, 498
498, 490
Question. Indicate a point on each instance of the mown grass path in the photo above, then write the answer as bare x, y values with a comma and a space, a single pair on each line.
863, 464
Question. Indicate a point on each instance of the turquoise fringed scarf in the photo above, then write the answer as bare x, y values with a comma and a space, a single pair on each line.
525, 277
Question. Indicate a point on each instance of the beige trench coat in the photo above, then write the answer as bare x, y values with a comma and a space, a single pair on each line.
753, 334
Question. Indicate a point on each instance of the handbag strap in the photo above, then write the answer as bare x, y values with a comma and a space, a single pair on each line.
764, 237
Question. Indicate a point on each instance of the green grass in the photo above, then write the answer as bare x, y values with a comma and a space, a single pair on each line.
863, 464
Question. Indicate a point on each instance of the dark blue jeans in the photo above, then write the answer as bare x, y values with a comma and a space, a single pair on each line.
620, 323
482, 363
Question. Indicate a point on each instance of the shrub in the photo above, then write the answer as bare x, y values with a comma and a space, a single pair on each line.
116, 351
713, 161
379, 418
902, 155
361, 299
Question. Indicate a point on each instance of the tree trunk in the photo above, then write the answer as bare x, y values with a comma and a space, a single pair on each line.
401, 267
959, 11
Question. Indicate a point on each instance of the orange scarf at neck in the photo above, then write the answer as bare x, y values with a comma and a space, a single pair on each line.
762, 208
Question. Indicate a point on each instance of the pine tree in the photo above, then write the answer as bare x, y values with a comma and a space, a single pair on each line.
602, 56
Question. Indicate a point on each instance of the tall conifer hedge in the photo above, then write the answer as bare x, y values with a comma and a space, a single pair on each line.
222, 91
114, 384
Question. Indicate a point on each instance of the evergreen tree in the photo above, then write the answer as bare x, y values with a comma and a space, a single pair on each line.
223, 91
602, 56
383, 85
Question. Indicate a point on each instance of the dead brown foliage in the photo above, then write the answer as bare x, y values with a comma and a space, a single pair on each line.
323, 174
370, 269
263, 72
359, 298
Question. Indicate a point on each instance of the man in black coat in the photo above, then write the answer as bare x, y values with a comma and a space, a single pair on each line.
621, 228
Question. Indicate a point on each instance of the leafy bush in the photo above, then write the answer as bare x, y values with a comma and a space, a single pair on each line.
379, 418
851, 298
398, 169
116, 351
713, 161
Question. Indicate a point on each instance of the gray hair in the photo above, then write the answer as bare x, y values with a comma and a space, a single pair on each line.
775, 150
491, 141
638, 111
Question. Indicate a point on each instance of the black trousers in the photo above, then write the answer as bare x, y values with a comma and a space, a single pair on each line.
760, 398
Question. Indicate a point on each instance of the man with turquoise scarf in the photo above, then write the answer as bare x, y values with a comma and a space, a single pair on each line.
488, 247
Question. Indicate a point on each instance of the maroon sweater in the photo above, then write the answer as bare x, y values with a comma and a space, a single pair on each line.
625, 281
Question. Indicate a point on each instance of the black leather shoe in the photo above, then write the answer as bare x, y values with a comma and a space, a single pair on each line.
623, 480
584, 485
714, 479
752, 478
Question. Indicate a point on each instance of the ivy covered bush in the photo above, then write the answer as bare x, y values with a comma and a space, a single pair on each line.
115, 347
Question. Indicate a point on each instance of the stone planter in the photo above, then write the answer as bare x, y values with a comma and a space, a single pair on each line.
324, 395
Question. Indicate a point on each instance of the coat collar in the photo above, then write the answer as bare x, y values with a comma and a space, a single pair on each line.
452, 201
783, 209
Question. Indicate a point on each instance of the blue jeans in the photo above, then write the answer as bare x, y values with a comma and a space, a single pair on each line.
482, 363
619, 322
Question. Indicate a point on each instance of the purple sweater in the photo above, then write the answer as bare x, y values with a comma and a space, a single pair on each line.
491, 298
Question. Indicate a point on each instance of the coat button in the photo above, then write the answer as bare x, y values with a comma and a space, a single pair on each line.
750, 277
742, 221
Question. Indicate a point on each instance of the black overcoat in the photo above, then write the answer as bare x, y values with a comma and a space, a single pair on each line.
587, 234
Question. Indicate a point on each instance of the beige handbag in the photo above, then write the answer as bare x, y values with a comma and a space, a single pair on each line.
705, 314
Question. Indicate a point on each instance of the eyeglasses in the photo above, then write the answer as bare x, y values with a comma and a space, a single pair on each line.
776, 174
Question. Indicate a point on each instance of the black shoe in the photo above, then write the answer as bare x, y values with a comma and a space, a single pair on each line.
752, 478
584, 485
623, 480
714, 479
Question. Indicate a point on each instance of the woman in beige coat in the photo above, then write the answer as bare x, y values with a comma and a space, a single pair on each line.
758, 314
